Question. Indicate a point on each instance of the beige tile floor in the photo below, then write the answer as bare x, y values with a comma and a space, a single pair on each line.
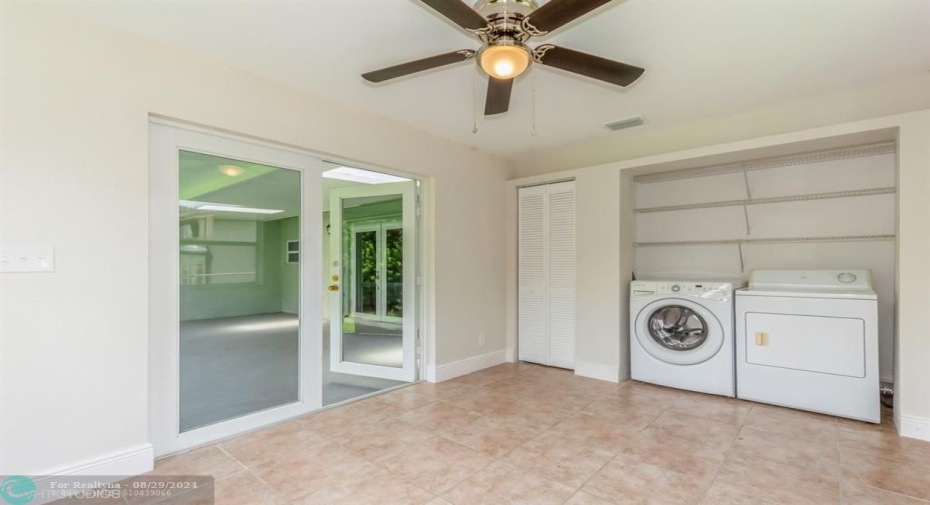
528, 434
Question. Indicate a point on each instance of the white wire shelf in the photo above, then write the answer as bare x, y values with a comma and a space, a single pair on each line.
774, 199
775, 162
782, 240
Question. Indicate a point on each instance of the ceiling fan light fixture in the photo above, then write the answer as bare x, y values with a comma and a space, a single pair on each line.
504, 61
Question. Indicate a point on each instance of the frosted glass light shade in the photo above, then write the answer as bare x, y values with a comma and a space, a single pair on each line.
504, 62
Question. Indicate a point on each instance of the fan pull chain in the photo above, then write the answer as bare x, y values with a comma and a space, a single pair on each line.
474, 105
533, 131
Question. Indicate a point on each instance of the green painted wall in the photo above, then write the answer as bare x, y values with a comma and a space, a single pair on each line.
226, 300
279, 287
290, 273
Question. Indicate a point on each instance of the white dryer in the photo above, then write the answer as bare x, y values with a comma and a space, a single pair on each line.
682, 335
809, 340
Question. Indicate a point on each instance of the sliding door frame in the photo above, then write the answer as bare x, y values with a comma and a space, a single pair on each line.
163, 194
165, 144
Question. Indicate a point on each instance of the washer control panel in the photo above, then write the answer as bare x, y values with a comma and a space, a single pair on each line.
720, 291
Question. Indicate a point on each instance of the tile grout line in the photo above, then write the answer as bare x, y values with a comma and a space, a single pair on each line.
727, 456
921, 500
437, 495
253, 474
378, 464
579, 489
839, 458
504, 455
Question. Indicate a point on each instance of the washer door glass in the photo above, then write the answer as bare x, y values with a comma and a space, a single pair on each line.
677, 328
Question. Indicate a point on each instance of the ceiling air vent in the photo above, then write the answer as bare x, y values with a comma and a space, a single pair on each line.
625, 123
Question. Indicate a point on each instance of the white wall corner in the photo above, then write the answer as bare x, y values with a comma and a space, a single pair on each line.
597, 371
511, 355
466, 366
914, 427
132, 460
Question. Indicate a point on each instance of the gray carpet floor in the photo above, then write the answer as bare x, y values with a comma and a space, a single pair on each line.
234, 366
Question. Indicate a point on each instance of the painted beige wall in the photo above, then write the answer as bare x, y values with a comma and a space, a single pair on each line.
597, 203
74, 112
912, 132
912, 352
601, 267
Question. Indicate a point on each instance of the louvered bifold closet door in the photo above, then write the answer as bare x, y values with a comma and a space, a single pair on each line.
561, 274
547, 274
533, 335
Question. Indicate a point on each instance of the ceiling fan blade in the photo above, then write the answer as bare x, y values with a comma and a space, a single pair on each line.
557, 13
412, 67
498, 99
459, 13
588, 65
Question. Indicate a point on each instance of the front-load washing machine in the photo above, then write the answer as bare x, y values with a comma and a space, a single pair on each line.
682, 335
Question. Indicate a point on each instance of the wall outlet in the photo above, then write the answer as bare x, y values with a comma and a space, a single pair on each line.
481, 340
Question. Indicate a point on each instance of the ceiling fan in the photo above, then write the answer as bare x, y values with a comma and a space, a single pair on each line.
503, 27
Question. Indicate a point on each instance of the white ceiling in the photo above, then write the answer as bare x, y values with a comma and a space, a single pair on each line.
704, 59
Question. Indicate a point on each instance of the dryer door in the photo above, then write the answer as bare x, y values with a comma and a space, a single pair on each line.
679, 331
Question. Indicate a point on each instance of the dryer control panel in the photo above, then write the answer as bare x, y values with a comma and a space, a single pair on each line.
718, 291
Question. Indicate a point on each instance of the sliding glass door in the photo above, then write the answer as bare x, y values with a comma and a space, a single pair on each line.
238, 341
234, 344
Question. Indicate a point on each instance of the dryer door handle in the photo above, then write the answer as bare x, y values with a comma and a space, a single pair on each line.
762, 338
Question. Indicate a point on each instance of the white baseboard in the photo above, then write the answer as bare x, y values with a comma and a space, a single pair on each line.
103, 469
596, 371
915, 427
466, 366
134, 460
511, 356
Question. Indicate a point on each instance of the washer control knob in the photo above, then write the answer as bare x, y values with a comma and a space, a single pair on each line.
846, 277
676, 288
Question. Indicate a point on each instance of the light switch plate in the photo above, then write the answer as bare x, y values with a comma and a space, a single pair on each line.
27, 259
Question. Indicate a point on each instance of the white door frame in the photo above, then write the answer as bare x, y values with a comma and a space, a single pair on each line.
408, 372
165, 141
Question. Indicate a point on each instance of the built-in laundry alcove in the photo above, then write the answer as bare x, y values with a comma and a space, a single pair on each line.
830, 209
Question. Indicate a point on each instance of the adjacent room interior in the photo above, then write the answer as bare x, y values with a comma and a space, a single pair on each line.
240, 289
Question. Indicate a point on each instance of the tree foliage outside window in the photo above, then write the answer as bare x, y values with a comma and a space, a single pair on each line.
394, 267
363, 271
367, 265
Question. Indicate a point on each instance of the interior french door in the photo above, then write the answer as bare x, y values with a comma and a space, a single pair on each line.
375, 262
372, 281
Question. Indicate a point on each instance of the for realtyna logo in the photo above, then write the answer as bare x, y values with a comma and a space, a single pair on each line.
17, 490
